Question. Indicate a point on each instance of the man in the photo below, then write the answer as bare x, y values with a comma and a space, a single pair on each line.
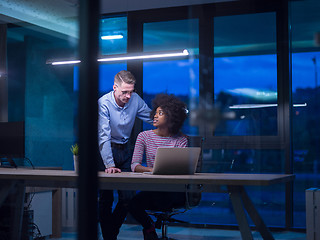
117, 112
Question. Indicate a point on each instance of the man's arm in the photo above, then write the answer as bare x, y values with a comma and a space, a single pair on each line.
104, 137
143, 111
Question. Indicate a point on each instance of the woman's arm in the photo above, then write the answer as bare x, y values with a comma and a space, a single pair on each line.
140, 168
138, 153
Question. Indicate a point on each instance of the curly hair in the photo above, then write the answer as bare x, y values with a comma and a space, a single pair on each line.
174, 110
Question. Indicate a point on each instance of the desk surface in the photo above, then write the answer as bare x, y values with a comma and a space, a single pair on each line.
62, 178
134, 181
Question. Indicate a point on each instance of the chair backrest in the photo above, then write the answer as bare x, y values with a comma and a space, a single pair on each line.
196, 141
193, 198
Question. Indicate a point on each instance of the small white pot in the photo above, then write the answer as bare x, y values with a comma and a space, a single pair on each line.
76, 163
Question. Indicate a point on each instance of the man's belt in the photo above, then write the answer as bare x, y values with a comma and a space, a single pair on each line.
118, 145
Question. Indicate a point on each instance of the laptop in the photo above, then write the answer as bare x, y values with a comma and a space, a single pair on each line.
176, 161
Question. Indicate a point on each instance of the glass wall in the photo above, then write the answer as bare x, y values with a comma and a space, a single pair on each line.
113, 40
113, 35
305, 97
246, 101
41, 94
245, 97
179, 77
245, 85
245, 74
245, 93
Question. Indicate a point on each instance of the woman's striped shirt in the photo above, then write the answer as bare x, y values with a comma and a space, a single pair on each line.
149, 142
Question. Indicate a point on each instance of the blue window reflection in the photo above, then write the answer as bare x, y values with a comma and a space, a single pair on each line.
178, 77
110, 27
245, 88
106, 76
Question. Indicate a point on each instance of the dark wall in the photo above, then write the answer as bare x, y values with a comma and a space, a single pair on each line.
16, 81
41, 95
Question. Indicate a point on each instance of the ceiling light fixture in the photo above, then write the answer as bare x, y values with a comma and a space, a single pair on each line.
144, 56
249, 106
112, 37
65, 62
127, 57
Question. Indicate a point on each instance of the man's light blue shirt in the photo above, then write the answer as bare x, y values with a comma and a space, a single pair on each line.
115, 123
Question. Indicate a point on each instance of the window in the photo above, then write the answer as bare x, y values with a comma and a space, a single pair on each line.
115, 30
245, 74
180, 76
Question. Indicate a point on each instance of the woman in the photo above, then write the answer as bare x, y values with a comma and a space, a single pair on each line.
168, 115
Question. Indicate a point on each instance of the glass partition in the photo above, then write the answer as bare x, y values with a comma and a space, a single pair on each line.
245, 91
112, 41
171, 35
305, 97
245, 88
39, 93
245, 74
113, 35
41, 96
179, 77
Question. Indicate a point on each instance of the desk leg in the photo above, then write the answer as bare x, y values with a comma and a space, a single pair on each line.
5, 190
240, 201
18, 211
235, 197
56, 213
255, 216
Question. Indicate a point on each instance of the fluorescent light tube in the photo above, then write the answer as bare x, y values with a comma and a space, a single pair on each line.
300, 105
249, 106
144, 56
65, 62
126, 57
111, 37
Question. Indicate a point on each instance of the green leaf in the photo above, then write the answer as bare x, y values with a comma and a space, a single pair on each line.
75, 149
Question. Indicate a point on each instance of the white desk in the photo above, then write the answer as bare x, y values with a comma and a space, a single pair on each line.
207, 182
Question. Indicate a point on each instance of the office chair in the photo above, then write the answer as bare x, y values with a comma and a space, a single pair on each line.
193, 198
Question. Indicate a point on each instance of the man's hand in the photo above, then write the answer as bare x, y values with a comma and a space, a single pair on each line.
112, 170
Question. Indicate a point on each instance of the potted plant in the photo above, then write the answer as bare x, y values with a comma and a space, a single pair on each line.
75, 151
